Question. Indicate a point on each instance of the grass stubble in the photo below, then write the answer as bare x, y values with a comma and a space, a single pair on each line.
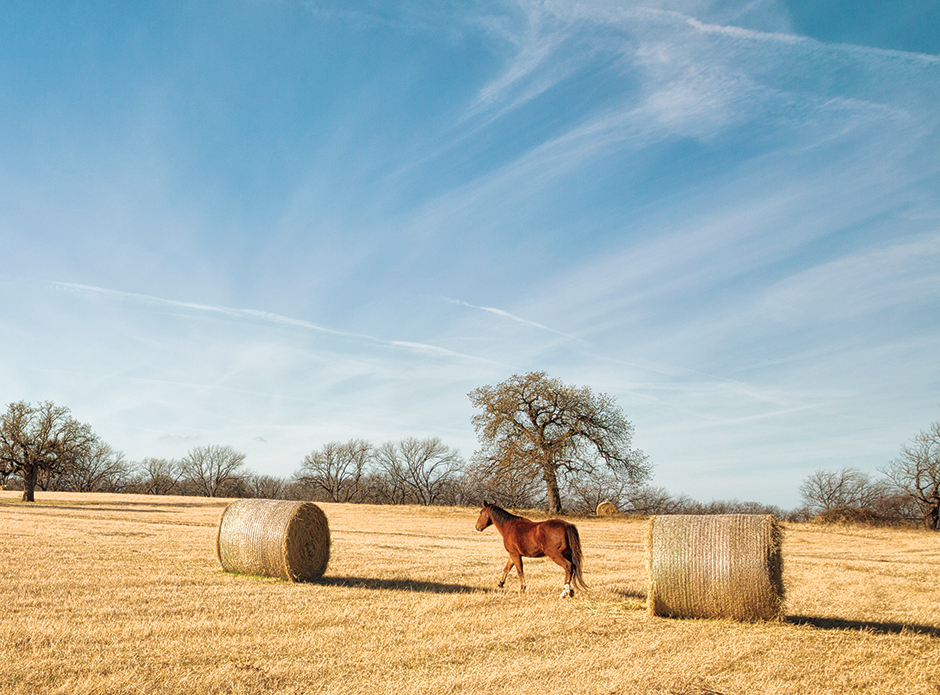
123, 594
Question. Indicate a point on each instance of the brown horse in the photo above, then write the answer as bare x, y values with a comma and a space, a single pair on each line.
523, 538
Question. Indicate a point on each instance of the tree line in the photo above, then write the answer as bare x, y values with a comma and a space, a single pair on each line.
544, 444
907, 489
409, 471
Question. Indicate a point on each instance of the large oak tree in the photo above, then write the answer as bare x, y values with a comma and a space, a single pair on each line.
41, 439
538, 426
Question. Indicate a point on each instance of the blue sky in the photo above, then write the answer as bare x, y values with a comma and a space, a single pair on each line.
275, 224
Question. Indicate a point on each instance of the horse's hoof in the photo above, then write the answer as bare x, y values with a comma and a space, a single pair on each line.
499, 586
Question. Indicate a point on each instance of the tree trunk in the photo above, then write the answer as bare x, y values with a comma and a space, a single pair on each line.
932, 517
29, 484
551, 482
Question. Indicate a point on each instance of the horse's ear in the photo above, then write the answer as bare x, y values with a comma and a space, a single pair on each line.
485, 503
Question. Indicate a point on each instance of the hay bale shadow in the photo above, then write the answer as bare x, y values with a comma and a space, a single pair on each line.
878, 628
629, 593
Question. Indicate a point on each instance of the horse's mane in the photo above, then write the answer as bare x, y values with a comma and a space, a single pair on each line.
501, 515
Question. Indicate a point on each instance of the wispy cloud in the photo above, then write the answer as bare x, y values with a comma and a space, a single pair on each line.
253, 315
506, 315
903, 275
146, 300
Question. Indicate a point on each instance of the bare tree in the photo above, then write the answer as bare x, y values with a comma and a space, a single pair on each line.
916, 472
336, 469
44, 439
541, 425
159, 476
387, 484
423, 470
266, 487
846, 488
102, 469
210, 468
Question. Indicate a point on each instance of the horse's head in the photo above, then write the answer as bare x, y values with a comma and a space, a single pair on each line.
485, 519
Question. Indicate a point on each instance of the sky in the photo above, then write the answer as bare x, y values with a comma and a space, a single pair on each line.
273, 224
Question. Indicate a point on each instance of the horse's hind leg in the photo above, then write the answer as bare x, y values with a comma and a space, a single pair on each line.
564, 562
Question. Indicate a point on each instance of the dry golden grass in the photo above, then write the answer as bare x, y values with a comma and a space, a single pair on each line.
123, 594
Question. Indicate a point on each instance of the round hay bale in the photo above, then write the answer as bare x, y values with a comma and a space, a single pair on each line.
607, 508
274, 538
715, 566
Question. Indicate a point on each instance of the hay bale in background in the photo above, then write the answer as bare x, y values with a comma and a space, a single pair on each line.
715, 566
607, 508
274, 538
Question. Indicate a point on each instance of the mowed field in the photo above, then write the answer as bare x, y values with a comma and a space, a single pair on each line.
123, 594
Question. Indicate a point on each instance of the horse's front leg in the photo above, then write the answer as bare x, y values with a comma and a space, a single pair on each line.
502, 580
517, 559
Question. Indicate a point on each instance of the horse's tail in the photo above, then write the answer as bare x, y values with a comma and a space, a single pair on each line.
577, 559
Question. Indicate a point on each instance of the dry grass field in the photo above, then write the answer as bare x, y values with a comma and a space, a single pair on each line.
123, 594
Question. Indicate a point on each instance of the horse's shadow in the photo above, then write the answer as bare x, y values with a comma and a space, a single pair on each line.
411, 585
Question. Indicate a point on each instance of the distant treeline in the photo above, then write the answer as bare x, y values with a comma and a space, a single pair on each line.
43, 448
408, 471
